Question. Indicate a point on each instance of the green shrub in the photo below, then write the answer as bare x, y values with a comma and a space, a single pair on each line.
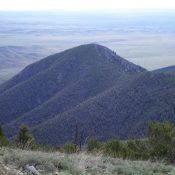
137, 149
3, 139
114, 148
161, 137
69, 148
93, 144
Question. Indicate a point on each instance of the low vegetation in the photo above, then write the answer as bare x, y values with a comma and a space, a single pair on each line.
79, 164
159, 144
130, 157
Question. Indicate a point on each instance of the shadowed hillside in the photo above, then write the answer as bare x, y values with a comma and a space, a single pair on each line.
118, 113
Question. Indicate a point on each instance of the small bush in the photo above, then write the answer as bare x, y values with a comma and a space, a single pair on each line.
3, 139
114, 148
69, 148
137, 149
93, 144
161, 137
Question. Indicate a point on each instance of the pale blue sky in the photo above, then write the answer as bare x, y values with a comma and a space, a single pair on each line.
83, 5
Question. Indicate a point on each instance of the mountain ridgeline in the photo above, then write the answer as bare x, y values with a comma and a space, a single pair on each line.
167, 70
88, 87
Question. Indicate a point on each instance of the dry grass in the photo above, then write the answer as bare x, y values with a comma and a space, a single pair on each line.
82, 163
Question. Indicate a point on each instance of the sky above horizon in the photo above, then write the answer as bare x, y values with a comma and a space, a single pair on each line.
84, 5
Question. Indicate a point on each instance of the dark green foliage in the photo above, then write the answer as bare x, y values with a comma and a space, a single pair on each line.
24, 138
137, 149
131, 149
161, 137
69, 148
114, 148
160, 144
3, 139
93, 144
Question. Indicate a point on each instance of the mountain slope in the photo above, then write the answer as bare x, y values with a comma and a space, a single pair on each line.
60, 82
117, 113
170, 69
88, 86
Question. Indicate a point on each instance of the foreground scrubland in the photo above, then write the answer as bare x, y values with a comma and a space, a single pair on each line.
12, 162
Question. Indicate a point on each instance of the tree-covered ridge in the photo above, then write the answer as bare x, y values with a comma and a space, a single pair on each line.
60, 82
117, 113
88, 86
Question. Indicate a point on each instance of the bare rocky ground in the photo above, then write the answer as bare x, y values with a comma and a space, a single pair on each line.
14, 162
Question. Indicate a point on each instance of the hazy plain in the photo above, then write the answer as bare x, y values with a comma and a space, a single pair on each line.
145, 38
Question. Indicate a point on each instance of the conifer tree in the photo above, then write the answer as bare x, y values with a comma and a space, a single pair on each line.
24, 139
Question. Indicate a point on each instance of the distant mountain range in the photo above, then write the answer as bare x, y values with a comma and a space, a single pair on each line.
14, 58
88, 87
